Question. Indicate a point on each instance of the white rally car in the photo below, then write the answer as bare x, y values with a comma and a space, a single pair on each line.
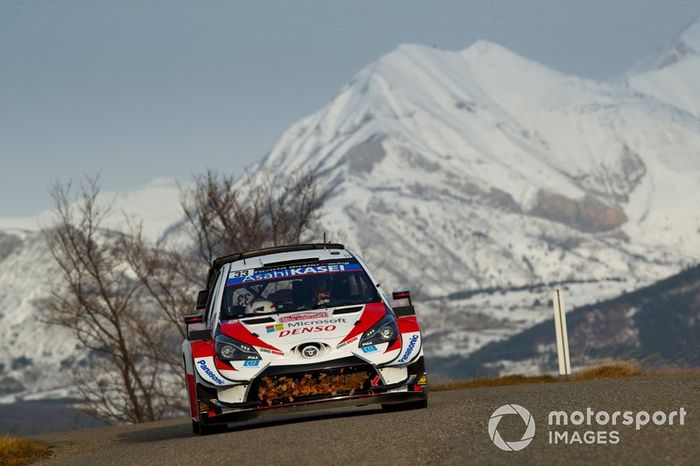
299, 326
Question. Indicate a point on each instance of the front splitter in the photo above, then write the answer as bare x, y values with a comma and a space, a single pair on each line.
229, 414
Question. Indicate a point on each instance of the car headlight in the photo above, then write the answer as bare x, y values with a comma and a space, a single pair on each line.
228, 349
385, 331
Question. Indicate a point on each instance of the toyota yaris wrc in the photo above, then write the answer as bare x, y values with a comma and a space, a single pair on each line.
299, 327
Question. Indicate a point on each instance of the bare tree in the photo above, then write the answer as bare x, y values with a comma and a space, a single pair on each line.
226, 216
99, 301
168, 277
123, 296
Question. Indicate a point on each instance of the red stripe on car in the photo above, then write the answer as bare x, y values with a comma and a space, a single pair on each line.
202, 349
408, 324
223, 365
192, 390
237, 331
372, 314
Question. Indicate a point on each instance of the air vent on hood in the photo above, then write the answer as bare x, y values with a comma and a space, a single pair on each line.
347, 310
260, 320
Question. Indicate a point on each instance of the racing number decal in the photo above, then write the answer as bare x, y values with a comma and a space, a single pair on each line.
243, 297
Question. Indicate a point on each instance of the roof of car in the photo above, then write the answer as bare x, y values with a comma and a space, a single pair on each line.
276, 250
260, 257
290, 258
278, 255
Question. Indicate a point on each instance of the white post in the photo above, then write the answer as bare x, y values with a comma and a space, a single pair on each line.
562, 336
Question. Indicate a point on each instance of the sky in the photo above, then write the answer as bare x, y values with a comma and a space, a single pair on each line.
137, 90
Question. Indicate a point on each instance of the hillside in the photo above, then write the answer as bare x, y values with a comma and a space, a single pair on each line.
34, 357
659, 324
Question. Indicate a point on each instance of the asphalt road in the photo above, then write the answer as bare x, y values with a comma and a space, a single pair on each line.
453, 430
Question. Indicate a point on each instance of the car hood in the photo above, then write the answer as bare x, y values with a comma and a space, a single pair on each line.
282, 332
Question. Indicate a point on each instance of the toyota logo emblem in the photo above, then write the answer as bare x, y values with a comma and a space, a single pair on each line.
310, 351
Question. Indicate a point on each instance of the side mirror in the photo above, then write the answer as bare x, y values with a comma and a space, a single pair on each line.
196, 330
202, 298
194, 319
402, 296
401, 303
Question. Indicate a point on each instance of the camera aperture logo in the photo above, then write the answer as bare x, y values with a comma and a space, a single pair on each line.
529, 429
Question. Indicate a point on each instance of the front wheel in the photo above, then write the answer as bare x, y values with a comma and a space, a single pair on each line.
199, 428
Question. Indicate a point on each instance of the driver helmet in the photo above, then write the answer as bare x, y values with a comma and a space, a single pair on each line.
322, 291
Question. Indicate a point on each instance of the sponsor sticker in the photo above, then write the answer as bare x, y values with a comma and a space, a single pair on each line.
309, 323
265, 350
291, 272
304, 316
409, 350
369, 349
252, 363
352, 340
274, 328
205, 368
298, 331
423, 380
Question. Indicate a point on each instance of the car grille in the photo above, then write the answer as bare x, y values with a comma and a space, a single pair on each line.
312, 385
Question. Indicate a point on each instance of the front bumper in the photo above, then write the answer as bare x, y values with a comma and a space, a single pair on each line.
413, 386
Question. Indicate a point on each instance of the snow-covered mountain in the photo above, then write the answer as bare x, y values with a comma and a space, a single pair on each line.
480, 168
33, 356
671, 73
475, 177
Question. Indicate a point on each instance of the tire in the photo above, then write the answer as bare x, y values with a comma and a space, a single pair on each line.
201, 427
416, 404
198, 428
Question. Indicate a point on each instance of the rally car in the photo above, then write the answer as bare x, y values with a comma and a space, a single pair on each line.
297, 327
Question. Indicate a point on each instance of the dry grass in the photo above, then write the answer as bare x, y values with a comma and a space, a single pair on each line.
493, 382
16, 451
605, 371
610, 371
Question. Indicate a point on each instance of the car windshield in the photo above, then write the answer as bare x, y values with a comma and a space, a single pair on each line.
296, 287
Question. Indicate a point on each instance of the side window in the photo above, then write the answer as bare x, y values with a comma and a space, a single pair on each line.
212, 312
